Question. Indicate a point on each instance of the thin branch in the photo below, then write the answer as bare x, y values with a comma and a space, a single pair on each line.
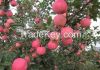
77, 12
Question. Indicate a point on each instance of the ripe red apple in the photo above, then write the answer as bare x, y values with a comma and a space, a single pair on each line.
9, 13
7, 25
66, 32
60, 7
13, 3
4, 37
37, 20
6, 30
9, 20
54, 35
59, 20
27, 58
18, 44
34, 55
85, 22
1, 29
67, 41
52, 45
78, 53
2, 12
36, 43
19, 64
41, 50
1, 1
82, 46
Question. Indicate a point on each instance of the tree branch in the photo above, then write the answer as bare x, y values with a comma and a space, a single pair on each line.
79, 11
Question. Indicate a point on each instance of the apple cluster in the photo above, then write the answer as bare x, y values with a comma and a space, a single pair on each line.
60, 21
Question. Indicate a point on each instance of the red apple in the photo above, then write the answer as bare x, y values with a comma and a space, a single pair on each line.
1, 29
37, 20
7, 25
59, 20
60, 7
52, 45
4, 37
27, 58
18, 45
19, 64
1, 2
78, 53
9, 20
36, 43
13, 3
81, 46
67, 41
85, 22
34, 55
6, 30
9, 13
2, 12
66, 32
41, 50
